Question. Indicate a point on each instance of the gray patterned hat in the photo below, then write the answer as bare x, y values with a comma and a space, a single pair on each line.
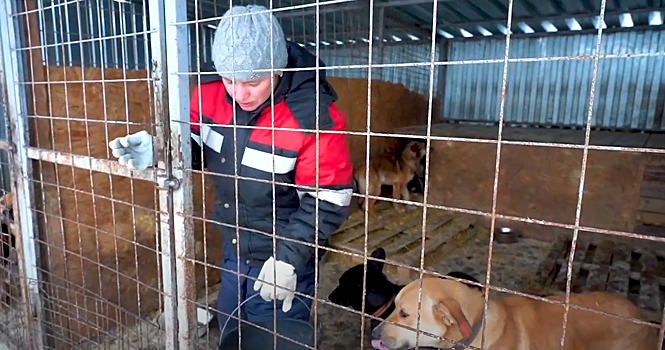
248, 43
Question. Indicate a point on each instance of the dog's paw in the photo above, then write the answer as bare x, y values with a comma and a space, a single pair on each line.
400, 209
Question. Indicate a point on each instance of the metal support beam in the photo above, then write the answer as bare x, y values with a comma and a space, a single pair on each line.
14, 96
89, 163
176, 115
5, 145
165, 245
352, 6
349, 6
540, 19
444, 56
391, 16
557, 34
380, 37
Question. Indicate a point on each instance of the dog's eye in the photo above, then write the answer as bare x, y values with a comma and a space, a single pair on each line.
403, 314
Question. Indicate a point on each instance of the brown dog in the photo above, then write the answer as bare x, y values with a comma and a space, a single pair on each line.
392, 171
451, 310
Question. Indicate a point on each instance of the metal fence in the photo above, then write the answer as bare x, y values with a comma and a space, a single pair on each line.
16, 291
111, 258
120, 21
553, 93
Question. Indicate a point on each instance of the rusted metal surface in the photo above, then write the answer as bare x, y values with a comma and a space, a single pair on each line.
26, 241
585, 156
169, 48
88, 163
177, 53
165, 238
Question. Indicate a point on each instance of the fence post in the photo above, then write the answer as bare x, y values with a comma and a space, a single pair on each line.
178, 55
157, 68
26, 243
170, 55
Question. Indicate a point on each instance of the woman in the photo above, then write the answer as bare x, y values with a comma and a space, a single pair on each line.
247, 48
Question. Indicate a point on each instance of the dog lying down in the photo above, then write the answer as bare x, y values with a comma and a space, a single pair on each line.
451, 310
380, 292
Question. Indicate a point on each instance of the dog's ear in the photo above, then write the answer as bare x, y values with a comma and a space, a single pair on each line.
415, 147
450, 312
378, 253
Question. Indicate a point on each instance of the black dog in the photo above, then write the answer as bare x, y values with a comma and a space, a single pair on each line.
381, 293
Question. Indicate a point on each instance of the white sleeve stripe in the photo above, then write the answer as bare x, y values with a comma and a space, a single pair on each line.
341, 198
263, 161
196, 138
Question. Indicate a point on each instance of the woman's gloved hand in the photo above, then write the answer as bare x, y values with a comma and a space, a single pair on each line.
286, 278
134, 150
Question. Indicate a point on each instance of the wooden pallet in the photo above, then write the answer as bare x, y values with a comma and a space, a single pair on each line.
651, 209
603, 265
400, 235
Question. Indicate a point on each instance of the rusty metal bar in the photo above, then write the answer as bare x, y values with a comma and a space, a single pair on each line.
166, 244
26, 242
583, 171
370, 56
428, 149
177, 60
89, 163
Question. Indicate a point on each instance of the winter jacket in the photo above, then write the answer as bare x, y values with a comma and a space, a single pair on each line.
295, 163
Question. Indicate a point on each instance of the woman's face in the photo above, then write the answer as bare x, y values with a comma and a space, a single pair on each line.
249, 94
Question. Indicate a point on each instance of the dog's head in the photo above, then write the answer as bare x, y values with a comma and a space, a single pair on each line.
465, 277
441, 315
6, 206
414, 150
380, 290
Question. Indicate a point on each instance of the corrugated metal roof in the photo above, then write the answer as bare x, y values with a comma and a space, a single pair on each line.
347, 21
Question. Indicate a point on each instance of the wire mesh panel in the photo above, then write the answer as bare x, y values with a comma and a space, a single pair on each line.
296, 144
14, 327
93, 226
492, 200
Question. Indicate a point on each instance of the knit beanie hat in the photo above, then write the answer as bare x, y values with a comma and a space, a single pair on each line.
247, 44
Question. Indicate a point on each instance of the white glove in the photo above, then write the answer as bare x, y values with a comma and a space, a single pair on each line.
134, 150
286, 278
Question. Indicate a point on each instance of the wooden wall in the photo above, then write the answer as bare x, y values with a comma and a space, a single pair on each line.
540, 183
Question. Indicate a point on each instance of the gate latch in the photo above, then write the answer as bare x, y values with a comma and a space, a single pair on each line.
164, 183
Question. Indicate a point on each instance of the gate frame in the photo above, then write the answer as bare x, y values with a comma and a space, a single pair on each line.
13, 72
177, 244
172, 114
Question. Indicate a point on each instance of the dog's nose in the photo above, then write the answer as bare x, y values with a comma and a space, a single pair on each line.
376, 332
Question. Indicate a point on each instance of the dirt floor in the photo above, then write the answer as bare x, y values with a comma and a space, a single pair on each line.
513, 265
453, 243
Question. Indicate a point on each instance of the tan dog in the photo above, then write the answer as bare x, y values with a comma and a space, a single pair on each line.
6, 201
391, 171
451, 310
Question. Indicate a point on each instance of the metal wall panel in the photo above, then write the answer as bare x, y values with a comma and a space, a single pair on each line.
73, 32
415, 78
96, 33
629, 92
